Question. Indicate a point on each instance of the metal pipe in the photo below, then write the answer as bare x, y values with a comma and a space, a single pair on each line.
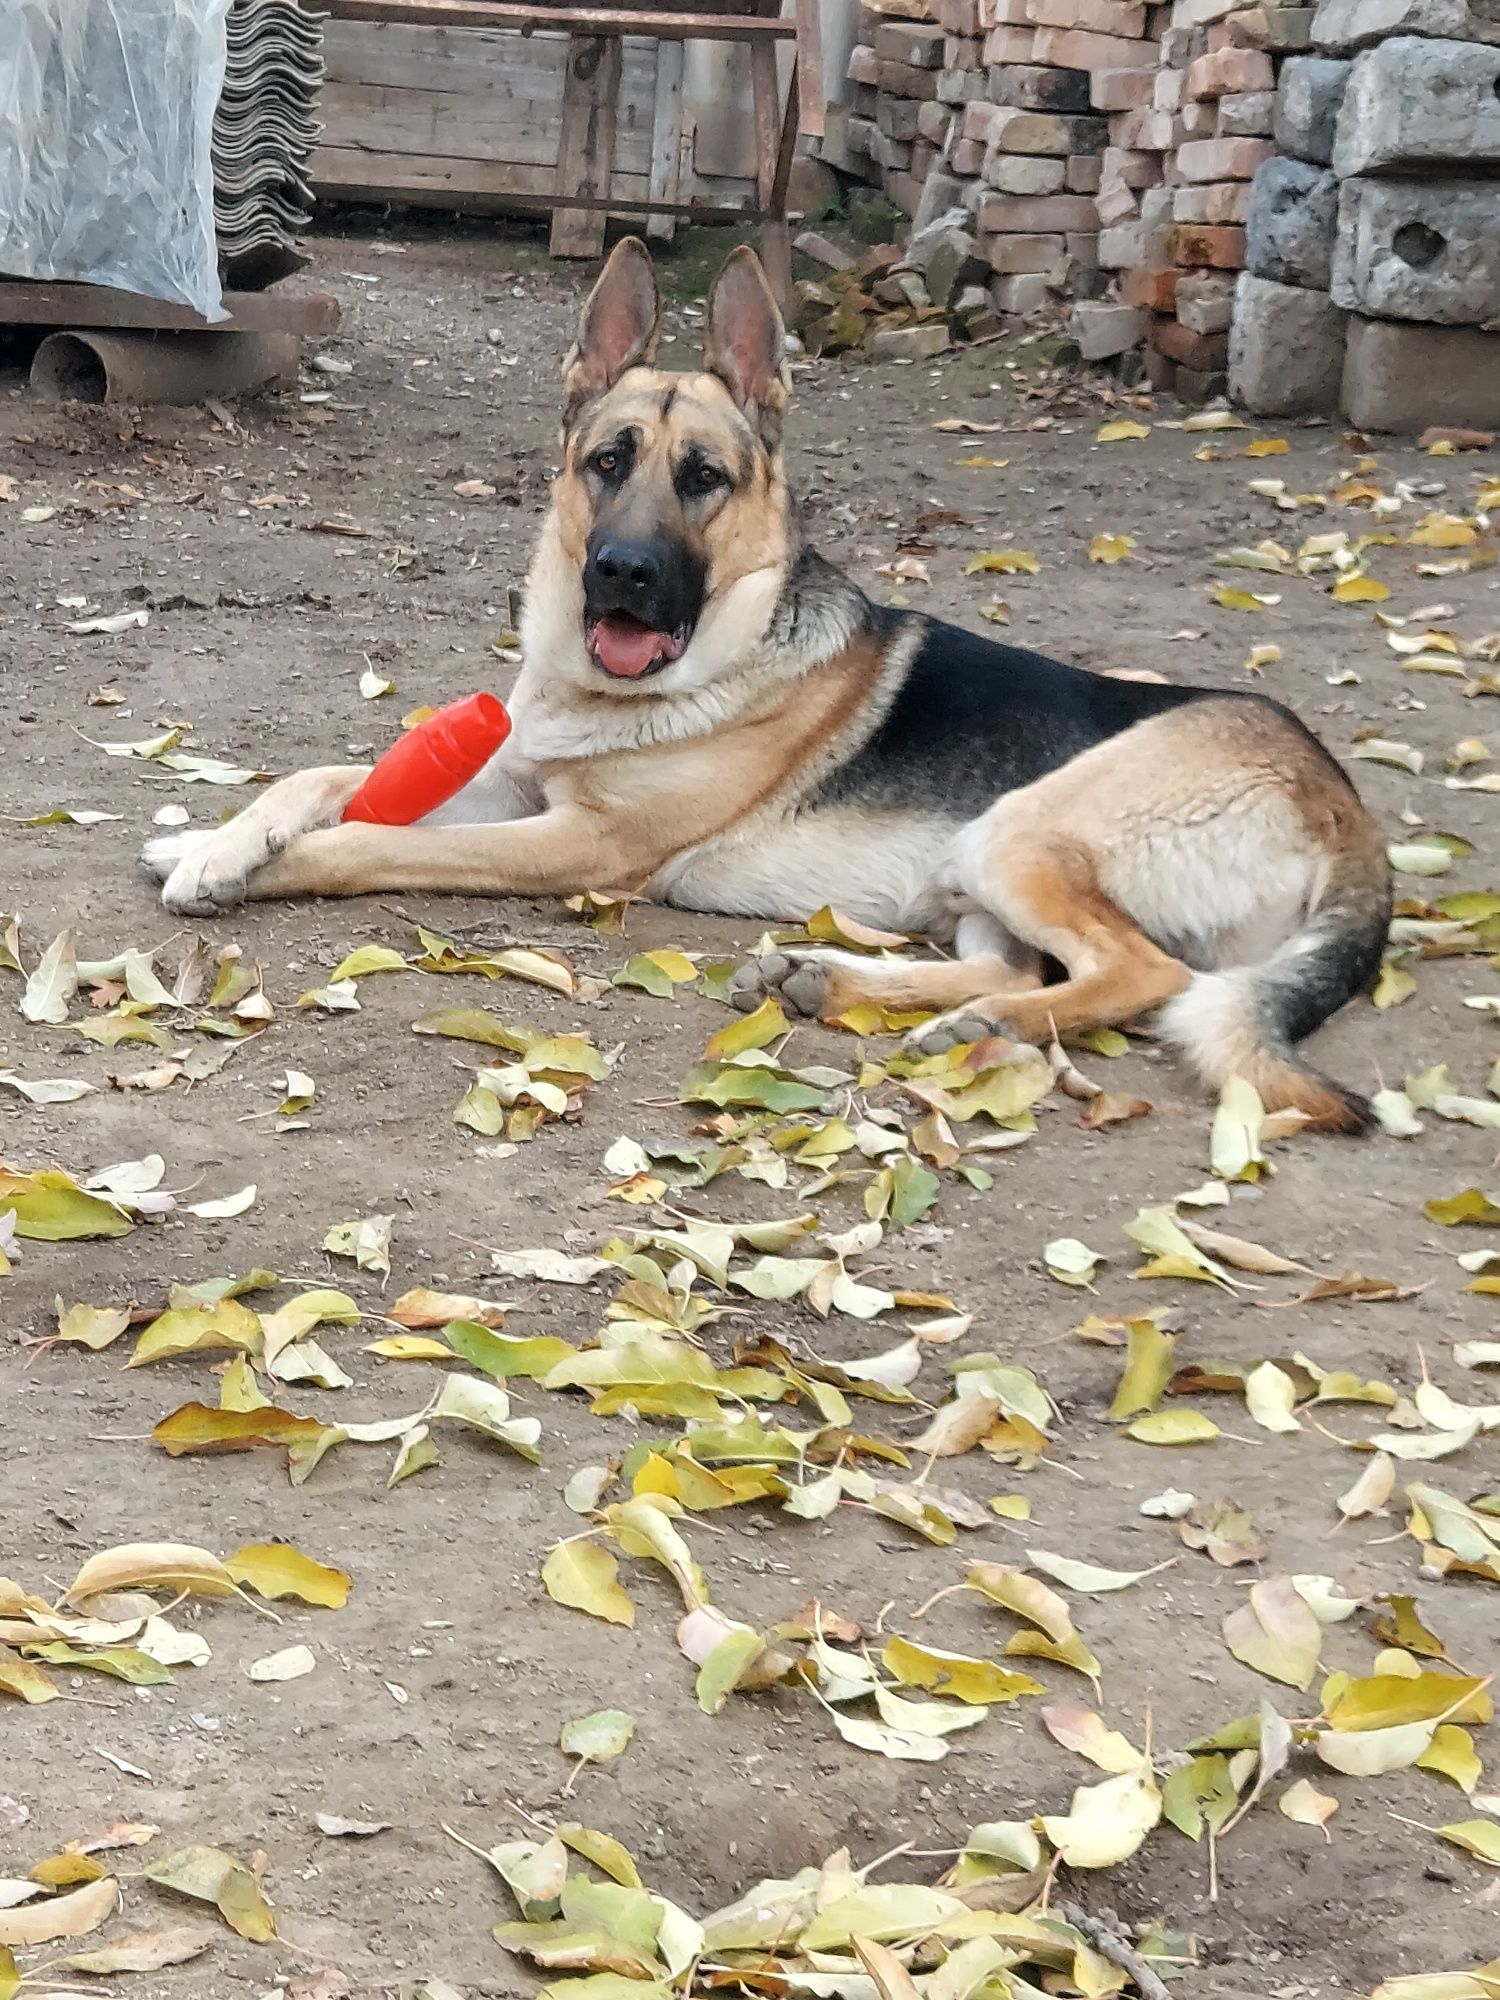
86, 366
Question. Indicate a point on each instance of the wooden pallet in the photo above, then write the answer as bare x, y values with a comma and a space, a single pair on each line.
557, 125
43, 302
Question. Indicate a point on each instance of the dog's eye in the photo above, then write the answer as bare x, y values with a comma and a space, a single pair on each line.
699, 479
606, 464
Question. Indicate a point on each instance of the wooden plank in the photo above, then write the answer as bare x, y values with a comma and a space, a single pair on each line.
667, 138
585, 154
41, 302
439, 182
809, 75
765, 104
580, 20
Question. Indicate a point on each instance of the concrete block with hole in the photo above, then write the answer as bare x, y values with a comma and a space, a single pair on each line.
1414, 106
1286, 349
1342, 26
1292, 222
1424, 250
1309, 92
1402, 377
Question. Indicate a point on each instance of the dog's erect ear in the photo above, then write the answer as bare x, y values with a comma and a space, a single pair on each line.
744, 344
618, 329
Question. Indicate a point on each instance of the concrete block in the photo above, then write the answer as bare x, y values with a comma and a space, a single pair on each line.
1103, 330
1229, 73
1220, 201
962, 51
1400, 377
1196, 386
1026, 215
863, 66
896, 117
901, 80
1221, 159
1156, 205
1420, 105
934, 122
819, 250
1196, 120
1342, 26
1309, 92
1205, 301
1025, 292
1132, 245
1121, 89
1020, 173
1289, 30
1292, 223
1426, 250
907, 343
888, 151
1247, 117
1029, 88
1169, 89
1286, 349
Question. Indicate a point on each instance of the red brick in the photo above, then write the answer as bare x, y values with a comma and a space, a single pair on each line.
1121, 89
863, 68
1219, 245
1085, 174
1136, 170
981, 121
919, 43
1203, 351
1100, 17
1027, 215
1141, 131
1155, 290
1197, 119
1222, 159
1009, 45
966, 157
1077, 48
1249, 29
1011, 254
959, 17
1230, 73
1161, 372
1219, 201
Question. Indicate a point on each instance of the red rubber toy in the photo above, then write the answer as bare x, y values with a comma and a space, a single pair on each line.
432, 762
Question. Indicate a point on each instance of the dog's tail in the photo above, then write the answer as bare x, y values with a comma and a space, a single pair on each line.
1247, 1020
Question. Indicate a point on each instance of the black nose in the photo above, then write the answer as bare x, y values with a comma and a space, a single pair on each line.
629, 570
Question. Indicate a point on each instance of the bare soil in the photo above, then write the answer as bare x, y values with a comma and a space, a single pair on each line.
442, 1687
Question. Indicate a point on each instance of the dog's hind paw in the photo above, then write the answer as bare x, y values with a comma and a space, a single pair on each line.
954, 1030
800, 983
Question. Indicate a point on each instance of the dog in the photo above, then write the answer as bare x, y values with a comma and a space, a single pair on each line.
712, 715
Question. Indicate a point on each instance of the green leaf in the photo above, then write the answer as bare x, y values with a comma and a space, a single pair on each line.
598, 1737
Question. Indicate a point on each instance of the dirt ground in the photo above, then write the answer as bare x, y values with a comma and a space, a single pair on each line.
441, 1689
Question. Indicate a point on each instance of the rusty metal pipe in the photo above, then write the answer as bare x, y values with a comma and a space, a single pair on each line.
86, 366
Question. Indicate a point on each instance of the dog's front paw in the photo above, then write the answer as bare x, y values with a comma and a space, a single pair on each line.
800, 982
205, 872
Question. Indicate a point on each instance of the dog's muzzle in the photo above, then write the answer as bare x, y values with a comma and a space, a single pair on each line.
640, 607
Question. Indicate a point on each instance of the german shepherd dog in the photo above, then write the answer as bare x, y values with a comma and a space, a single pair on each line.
712, 715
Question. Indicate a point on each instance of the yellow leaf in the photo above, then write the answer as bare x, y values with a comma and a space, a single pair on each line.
93, 1327
767, 1023
198, 1329
957, 1674
1479, 1837
1261, 657
1232, 598
1174, 1427
1305, 1805
26, 1682
209, 1875
276, 1569
1452, 1755
1121, 429
61, 1916
1443, 531
151, 1566
1359, 589
1266, 447
410, 1347
1110, 548
1080, 1730
1003, 562
1107, 1822
366, 959
1148, 1370
1276, 1632
584, 1577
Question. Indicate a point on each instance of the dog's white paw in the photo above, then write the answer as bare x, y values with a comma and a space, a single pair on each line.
209, 871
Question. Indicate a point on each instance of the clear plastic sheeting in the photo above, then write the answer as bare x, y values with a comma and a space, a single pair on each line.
106, 171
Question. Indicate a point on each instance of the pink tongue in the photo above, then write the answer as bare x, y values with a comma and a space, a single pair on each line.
627, 648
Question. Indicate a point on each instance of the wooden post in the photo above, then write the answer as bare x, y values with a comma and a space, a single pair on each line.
666, 138
586, 150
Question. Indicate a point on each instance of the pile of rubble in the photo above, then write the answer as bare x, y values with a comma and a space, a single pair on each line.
265, 129
1133, 159
1373, 254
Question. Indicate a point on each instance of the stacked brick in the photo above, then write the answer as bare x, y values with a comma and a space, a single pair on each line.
893, 124
1373, 236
